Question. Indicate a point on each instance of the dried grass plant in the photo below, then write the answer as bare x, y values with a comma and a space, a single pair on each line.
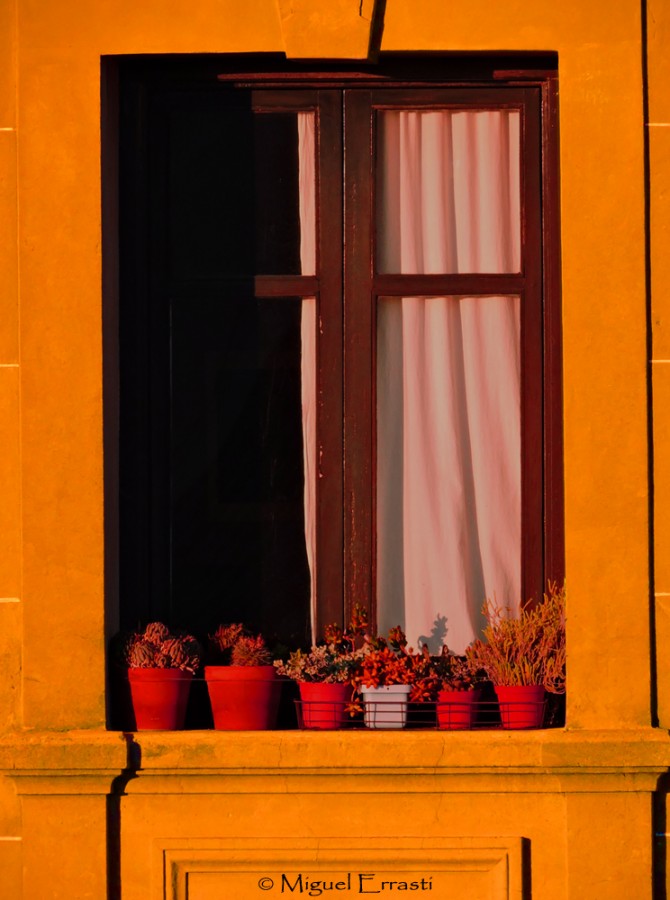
528, 649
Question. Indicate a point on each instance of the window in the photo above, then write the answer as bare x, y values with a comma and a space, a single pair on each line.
340, 376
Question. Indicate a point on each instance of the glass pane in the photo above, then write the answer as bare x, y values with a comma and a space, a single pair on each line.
241, 187
448, 191
240, 381
448, 464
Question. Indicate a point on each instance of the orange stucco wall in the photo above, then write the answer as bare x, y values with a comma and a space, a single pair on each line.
58, 759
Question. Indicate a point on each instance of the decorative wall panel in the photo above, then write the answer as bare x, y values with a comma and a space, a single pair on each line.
479, 869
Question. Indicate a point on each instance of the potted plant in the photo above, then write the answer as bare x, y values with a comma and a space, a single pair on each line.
524, 657
160, 667
241, 680
384, 676
447, 680
324, 677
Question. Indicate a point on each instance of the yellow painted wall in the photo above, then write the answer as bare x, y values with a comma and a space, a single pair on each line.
579, 799
603, 294
659, 154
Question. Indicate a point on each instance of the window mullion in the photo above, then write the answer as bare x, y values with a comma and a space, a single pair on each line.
532, 376
330, 579
359, 360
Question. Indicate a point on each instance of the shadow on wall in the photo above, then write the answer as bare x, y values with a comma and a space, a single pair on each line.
436, 639
659, 824
118, 789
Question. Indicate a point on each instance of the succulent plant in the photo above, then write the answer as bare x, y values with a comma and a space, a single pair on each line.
180, 651
230, 645
157, 648
444, 672
142, 655
225, 637
384, 666
156, 633
323, 663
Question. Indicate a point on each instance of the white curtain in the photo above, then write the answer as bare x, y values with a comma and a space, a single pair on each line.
448, 198
307, 188
448, 379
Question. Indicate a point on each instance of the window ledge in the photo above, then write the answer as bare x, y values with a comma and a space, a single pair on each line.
216, 761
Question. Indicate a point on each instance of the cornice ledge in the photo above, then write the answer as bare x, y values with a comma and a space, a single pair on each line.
89, 761
77, 751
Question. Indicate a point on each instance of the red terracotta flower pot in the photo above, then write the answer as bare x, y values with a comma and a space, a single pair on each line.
457, 709
323, 705
159, 698
521, 706
243, 698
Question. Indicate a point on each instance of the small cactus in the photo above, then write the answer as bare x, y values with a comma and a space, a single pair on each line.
251, 651
229, 645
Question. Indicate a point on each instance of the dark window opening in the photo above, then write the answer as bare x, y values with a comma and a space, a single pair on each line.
225, 272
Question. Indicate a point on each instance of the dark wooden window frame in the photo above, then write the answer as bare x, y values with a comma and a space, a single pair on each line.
346, 551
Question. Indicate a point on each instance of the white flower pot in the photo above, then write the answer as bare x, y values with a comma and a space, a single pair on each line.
386, 707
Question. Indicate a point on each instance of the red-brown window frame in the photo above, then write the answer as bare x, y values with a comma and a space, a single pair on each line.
346, 553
